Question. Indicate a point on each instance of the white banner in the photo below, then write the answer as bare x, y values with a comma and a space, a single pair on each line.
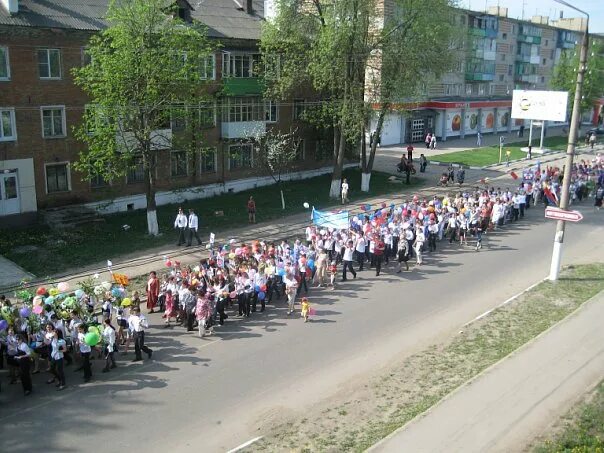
539, 105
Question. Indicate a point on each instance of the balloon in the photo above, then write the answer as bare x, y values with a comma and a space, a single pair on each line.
91, 338
363, 207
263, 288
261, 295
53, 292
306, 205
126, 302
238, 251
49, 300
116, 292
232, 255
63, 286
98, 290
37, 309
311, 264
106, 286
3, 324
41, 291
233, 295
281, 272
79, 293
257, 288
168, 263
38, 300
25, 312
383, 204
93, 329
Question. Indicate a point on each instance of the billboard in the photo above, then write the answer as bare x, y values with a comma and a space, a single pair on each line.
539, 105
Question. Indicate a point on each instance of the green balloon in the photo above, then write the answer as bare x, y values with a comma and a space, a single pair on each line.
91, 338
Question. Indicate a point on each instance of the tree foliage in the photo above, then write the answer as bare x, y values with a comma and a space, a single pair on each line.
565, 75
145, 69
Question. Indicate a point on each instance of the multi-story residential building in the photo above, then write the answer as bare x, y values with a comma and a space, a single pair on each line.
500, 55
40, 44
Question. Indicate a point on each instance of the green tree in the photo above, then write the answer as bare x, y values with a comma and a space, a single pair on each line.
323, 46
145, 66
565, 75
417, 44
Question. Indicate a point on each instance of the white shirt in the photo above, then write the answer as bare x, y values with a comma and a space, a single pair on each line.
344, 187
83, 346
348, 251
181, 221
57, 345
193, 222
360, 247
137, 323
109, 338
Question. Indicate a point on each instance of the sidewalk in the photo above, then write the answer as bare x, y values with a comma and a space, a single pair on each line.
11, 272
515, 400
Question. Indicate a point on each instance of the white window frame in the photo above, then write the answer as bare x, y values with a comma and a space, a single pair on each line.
204, 72
50, 77
13, 137
269, 104
6, 57
142, 180
214, 107
55, 164
211, 149
63, 120
172, 175
251, 156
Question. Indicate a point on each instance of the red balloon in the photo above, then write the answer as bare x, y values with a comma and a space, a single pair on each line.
383, 205
41, 291
168, 263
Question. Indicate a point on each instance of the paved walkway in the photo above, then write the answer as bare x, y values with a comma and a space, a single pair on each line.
514, 401
10, 273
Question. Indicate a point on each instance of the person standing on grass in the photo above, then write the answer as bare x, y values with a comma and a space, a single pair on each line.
181, 224
193, 228
508, 155
344, 191
152, 291
251, 210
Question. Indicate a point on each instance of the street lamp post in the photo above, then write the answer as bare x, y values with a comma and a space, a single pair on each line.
573, 135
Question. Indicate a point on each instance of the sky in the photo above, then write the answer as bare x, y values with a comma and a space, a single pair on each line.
595, 9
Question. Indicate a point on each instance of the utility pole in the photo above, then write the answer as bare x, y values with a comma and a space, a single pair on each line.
570, 150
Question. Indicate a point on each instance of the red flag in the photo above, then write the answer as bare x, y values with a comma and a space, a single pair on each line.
513, 175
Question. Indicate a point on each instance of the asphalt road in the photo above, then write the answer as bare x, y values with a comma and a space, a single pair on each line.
213, 394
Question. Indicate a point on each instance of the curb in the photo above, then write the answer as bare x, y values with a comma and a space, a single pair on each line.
488, 369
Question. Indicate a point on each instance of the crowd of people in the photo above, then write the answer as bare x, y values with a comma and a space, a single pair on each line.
58, 326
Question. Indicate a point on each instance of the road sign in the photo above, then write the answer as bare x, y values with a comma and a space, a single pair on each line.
561, 214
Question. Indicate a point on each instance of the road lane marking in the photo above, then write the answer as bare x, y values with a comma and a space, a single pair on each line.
246, 444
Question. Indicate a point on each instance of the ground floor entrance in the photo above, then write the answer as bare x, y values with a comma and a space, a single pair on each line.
9, 193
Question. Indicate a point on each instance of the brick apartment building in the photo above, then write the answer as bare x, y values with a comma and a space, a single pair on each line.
40, 43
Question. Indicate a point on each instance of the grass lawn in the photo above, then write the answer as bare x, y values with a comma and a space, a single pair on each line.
488, 155
61, 250
583, 428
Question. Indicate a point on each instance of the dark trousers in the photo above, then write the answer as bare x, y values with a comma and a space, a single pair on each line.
522, 207
378, 264
24, 365
58, 370
394, 248
529, 200
139, 344
515, 214
190, 318
86, 365
273, 288
255, 300
432, 242
109, 359
181, 236
244, 304
302, 283
193, 232
348, 266
360, 259
220, 310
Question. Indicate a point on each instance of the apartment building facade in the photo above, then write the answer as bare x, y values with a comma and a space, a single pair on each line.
40, 44
499, 55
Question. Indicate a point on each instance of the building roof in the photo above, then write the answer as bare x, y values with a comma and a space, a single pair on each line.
224, 18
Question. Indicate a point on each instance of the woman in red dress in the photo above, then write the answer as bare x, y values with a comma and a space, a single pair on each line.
152, 291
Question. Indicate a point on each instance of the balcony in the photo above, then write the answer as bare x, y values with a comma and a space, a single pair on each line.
479, 77
529, 39
526, 78
242, 129
478, 32
246, 86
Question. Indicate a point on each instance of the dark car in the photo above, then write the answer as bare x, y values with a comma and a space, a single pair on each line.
595, 130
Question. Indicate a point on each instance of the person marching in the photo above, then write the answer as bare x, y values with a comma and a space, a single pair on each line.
23, 359
181, 224
85, 351
305, 309
378, 252
152, 291
109, 340
193, 223
403, 254
137, 324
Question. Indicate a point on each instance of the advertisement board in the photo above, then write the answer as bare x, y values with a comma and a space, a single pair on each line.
539, 105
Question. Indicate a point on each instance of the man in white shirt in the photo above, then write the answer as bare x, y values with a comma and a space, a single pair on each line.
347, 261
137, 324
360, 250
344, 191
193, 227
181, 224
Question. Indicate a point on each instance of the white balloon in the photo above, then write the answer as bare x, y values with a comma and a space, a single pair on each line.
306, 205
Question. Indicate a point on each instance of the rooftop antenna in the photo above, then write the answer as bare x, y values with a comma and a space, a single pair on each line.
523, 6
